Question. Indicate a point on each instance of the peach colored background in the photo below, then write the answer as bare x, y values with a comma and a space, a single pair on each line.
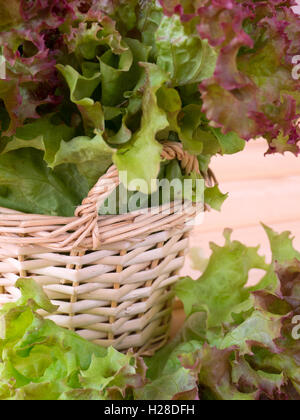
297, 8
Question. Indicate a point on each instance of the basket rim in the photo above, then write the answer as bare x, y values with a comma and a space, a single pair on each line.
61, 234
89, 231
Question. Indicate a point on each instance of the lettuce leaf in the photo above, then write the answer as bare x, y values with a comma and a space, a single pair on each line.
41, 361
129, 159
81, 90
182, 54
42, 134
39, 190
255, 43
92, 157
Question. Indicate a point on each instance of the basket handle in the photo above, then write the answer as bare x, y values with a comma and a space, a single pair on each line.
88, 210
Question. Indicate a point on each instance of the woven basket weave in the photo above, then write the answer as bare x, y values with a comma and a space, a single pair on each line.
111, 276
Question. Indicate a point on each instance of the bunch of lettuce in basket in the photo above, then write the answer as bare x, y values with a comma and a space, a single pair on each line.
88, 83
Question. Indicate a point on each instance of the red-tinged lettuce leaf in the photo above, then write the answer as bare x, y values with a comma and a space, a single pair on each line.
289, 342
124, 11
224, 372
215, 376
255, 79
264, 384
31, 49
130, 15
57, 10
255, 42
271, 302
286, 358
283, 144
186, 8
210, 366
289, 277
283, 303
94, 33
266, 361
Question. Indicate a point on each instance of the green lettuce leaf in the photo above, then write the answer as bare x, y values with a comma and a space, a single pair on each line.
214, 198
258, 328
42, 134
92, 157
281, 246
129, 159
180, 385
115, 373
230, 143
182, 54
221, 288
39, 190
149, 19
121, 75
81, 90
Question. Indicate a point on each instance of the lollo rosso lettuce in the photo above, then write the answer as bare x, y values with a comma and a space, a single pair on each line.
256, 42
89, 83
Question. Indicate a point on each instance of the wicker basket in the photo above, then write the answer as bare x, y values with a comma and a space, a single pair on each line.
111, 276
